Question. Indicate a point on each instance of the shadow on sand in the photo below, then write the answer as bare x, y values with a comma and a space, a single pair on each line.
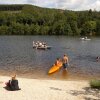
87, 91
8, 89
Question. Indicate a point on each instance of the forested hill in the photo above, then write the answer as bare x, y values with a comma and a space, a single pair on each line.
32, 20
11, 7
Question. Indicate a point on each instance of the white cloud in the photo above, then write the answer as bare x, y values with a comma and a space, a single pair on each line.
13, 1
61, 4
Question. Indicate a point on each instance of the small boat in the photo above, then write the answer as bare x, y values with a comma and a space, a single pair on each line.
41, 45
85, 39
43, 48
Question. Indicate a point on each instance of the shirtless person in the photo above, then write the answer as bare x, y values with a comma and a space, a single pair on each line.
65, 61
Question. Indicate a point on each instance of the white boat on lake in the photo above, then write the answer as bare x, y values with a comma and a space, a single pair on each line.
41, 45
85, 39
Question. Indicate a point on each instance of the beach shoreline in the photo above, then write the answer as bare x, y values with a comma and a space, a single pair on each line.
44, 89
51, 77
59, 75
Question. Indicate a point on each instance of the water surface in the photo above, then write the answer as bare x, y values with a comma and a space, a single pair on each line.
17, 55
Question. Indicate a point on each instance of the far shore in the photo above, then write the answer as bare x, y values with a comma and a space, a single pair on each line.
40, 89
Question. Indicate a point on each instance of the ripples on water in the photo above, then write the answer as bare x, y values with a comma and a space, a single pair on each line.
17, 55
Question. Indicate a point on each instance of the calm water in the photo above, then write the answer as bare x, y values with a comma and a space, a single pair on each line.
17, 55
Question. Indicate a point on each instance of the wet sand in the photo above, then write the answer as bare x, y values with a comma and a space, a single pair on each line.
59, 75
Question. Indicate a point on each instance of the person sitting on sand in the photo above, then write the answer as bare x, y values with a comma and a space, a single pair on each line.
65, 61
13, 84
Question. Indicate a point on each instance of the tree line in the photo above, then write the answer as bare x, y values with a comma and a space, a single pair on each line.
33, 20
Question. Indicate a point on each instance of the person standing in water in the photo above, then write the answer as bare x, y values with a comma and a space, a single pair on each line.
97, 58
65, 61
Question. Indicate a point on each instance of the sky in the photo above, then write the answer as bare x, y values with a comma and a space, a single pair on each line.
75, 5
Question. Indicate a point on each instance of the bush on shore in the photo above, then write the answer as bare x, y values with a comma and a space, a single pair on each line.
95, 84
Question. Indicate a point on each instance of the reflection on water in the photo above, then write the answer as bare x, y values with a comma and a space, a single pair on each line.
17, 55
64, 74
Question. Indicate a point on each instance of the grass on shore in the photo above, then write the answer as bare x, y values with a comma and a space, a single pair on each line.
95, 84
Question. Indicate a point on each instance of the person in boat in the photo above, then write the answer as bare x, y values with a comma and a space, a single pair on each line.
13, 84
34, 44
44, 44
57, 62
40, 44
65, 61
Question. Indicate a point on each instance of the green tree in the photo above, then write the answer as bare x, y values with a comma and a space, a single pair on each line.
74, 28
3, 30
58, 28
67, 29
35, 29
98, 28
89, 28
16, 29
44, 30
28, 19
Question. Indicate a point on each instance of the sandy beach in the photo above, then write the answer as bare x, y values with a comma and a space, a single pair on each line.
39, 89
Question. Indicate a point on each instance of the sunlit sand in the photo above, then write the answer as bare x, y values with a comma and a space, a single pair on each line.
39, 89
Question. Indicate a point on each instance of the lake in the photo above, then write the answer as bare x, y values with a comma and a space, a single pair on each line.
17, 55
